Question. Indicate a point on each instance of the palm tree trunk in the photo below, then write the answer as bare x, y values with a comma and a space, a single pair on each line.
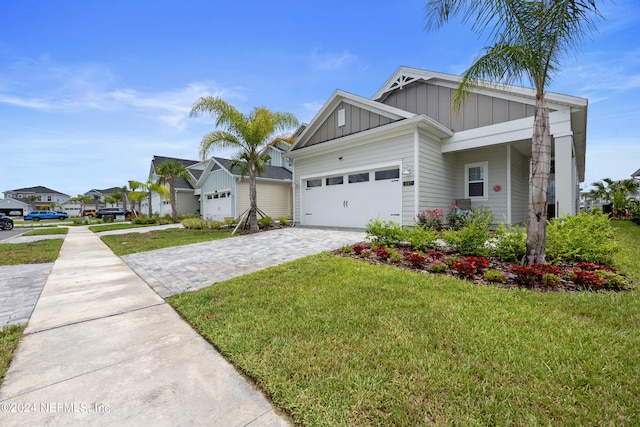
172, 198
253, 198
150, 210
539, 179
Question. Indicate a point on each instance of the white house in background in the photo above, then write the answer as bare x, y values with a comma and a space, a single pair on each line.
218, 192
14, 207
44, 196
405, 150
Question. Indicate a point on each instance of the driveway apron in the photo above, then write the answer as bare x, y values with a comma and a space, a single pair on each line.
102, 348
172, 271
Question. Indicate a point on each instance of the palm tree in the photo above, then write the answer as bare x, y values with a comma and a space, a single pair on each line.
529, 39
167, 173
246, 133
96, 198
32, 198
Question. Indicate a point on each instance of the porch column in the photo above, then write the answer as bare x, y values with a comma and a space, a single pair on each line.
565, 175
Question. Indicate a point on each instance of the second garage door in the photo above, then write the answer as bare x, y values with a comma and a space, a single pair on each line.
352, 199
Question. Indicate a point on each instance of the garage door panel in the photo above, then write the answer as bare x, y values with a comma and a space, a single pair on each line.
352, 204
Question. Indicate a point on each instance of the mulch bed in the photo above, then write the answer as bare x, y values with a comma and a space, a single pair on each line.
565, 284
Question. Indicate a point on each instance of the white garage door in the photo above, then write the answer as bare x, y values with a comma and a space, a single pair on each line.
217, 206
352, 199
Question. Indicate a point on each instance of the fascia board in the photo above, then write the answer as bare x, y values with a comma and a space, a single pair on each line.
339, 96
501, 90
364, 137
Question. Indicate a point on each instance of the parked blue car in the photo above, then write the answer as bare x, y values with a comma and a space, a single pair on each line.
38, 215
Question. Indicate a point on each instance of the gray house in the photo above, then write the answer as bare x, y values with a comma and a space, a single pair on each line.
405, 150
43, 197
217, 191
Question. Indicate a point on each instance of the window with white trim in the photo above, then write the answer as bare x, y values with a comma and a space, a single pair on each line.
476, 181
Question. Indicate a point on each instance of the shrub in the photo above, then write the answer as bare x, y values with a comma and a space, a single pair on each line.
346, 249
194, 223
283, 220
395, 256
586, 279
420, 238
431, 218
81, 221
457, 218
510, 243
107, 218
467, 267
144, 220
550, 280
365, 253
382, 252
265, 221
230, 221
416, 259
436, 254
358, 249
384, 232
469, 240
164, 220
528, 276
438, 267
580, 237
496, 276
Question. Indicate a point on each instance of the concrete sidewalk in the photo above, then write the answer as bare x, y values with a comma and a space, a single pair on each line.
102, 348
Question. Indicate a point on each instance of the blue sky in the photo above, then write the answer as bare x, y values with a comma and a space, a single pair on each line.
90, 91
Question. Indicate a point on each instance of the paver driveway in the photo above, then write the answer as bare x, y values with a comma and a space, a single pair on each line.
175, 270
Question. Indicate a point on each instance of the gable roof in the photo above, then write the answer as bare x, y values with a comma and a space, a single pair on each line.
271, 172
338, 96
180, 183
37, 189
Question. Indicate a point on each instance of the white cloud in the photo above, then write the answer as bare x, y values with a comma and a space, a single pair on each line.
332, 61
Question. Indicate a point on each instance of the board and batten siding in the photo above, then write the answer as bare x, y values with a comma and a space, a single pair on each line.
356, 120
217, 180
496, 157
187, 203
435, 101
274, 198
397, 150
519, 187
437, 178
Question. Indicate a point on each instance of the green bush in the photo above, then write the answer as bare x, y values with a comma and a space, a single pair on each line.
385, 232
81, 221
195, 223
469, 240
283, 220
510, 243
265, 221
581, 237
420, 238
107, 218
144, 220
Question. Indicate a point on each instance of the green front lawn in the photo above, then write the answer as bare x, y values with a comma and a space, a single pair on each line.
336, 341
130, 243
38, 252
47, 231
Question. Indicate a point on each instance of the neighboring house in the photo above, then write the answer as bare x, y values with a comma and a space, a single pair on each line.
14, 207
217, 193
187, 202
225, 194
45, 196
405, 150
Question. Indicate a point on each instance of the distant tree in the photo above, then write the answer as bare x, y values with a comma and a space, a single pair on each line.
168, 172
32, 198
247, 133
529, 40
148, 188
96, 198
616, 192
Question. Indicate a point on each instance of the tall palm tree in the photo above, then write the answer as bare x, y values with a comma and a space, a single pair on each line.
96, 198
32, 198
167, 173
529, 40
247, 133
